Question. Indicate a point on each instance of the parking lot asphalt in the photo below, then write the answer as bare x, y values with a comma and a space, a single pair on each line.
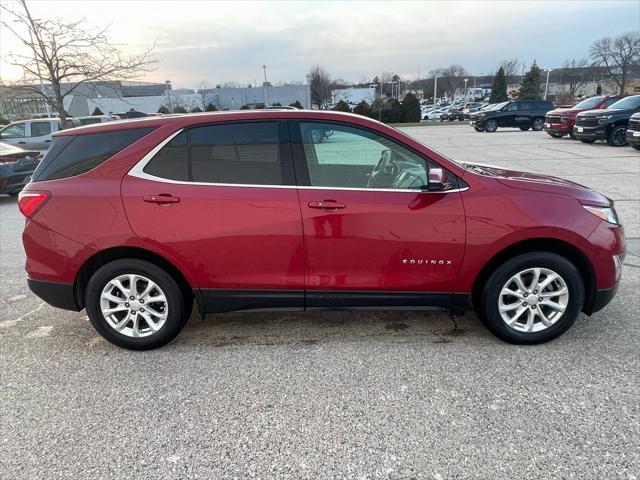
334, 394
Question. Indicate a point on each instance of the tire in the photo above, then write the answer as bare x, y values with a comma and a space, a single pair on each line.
478, 129
537, 125
524, 129
317, 136
572, 136
490, 126
586, 141
617, 136
557, 135
637, 147
133, 317
528, 328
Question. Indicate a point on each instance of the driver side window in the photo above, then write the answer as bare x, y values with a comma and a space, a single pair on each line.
341, 156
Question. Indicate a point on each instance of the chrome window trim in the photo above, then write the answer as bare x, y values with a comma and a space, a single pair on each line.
138, 171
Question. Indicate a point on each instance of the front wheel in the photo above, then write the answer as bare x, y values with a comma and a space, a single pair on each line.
135, 304
490, 126
537, 125
524, 129
617, 136
586, 141
556, 135
637, 147
532, 298
478, 129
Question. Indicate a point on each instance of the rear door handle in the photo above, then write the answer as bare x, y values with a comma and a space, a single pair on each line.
327, 205
162, 198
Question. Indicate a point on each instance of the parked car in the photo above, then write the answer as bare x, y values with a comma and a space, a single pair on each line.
522, 114
91, 119
560, 122
456, 113
469, 108
433, 114
136, 221
609, 125
633, 131
16, 167
32, 134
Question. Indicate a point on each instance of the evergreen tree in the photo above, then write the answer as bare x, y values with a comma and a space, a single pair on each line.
297, 105
341, 106
499, 88
392, 111
179, 109
362, 109
410, 109
196, 110
244, 107
276, 104
164, 110
259, 106
599, 90
531, 88
211, 108
97, 111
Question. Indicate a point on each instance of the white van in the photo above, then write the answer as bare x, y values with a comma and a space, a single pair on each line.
32, 134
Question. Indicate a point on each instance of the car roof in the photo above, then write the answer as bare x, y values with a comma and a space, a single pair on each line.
186, 120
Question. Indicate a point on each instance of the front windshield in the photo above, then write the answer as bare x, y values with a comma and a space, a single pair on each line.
498, 106
629, 102
589, 103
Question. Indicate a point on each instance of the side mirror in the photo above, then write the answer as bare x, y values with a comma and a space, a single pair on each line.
436, 180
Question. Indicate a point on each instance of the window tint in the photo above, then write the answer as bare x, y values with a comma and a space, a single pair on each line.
13, 131
344, 156
610, 101
238, 153
171, 162
39, 129
512, 107
83, 152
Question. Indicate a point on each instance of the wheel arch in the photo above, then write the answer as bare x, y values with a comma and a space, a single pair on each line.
552, 245
105, 256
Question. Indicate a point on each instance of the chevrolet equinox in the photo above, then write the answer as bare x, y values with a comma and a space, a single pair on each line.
137, 220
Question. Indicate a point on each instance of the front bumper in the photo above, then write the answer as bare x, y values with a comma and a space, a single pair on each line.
633, 137
558, 128
601, 299
590, 133
14, 182
59, 295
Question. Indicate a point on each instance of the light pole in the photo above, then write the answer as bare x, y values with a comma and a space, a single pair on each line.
546, 87
435, 90
264, 85
465, 89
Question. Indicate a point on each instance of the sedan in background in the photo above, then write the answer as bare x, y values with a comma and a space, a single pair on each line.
16, 167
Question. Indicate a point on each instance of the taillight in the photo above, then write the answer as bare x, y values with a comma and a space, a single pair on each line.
30, 202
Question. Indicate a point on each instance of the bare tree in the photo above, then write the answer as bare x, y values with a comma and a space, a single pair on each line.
320, 86
174, 103
575, 73
452, 78
203, 88
616, 54
60, 52
511, 67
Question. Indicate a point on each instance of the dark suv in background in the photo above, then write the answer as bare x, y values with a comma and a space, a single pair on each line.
633, 131
522, 114
609, 124
559, 122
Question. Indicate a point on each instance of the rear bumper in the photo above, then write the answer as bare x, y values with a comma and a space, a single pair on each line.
59, 295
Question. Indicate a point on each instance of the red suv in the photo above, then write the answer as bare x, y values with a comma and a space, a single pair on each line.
136, 220
559, 122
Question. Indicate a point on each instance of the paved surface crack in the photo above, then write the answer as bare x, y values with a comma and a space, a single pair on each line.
13, 323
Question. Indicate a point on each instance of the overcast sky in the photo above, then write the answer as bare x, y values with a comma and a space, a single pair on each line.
230, 41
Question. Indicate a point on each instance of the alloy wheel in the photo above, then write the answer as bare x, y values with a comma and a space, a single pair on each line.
537, 125
619, 137
134, 306
533, 300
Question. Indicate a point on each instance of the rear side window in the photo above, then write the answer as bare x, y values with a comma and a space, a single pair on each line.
251, 153
171, 162
40, 129
75, 155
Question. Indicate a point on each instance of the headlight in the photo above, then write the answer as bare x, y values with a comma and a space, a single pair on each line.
608, 214
564, 119
604, 119
481, 115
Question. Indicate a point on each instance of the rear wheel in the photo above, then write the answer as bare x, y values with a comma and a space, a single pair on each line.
617, 136
524, 129
532, 298
490, 126
135, 304
537, 125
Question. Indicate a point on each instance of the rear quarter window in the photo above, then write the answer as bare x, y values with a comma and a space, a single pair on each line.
75, 155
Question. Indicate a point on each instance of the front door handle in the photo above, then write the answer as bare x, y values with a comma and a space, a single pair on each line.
327, 205
162, 199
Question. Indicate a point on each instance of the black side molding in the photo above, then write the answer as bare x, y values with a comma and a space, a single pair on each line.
600, 300
223, 300
59, 295
376, 300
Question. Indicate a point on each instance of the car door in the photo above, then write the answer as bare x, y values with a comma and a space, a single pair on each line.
507, 117
15, 134
374, 236
220, 201
39, 135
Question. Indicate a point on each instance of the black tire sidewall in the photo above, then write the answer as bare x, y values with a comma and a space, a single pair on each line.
537, 121
176, 319
612, 133
488, 123
489, 300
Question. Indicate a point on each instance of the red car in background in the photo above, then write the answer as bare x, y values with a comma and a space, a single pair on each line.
559, 122
138, 220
